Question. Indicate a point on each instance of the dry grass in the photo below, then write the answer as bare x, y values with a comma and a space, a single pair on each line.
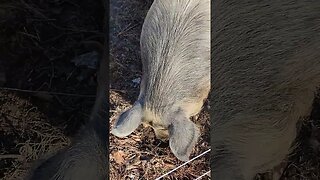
31, 136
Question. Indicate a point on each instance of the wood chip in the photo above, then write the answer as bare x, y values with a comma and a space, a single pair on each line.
119, 157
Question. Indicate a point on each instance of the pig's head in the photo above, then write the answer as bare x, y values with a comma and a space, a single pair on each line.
176, 126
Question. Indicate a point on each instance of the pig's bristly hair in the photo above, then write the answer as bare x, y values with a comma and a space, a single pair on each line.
175, 50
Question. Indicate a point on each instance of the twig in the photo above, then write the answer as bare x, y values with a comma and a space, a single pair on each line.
46, 92
118, 90
34, 10
126, 29
10, 156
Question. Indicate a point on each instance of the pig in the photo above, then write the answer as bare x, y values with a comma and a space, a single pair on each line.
175, 53
87, 157
265, 73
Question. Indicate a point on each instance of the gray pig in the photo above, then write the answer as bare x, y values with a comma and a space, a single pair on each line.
86, 158
265, 73
175, 52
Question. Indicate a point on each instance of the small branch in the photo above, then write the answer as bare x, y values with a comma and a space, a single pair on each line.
10, 156
46, 92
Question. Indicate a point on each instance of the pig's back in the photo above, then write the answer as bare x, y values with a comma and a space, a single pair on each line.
175, 49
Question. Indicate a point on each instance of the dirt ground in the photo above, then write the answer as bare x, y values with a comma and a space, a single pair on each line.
53, 46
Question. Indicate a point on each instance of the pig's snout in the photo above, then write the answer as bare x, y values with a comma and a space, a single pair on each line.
162, 134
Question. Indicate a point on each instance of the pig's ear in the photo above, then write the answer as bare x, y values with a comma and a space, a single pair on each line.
128, 121
183, 135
